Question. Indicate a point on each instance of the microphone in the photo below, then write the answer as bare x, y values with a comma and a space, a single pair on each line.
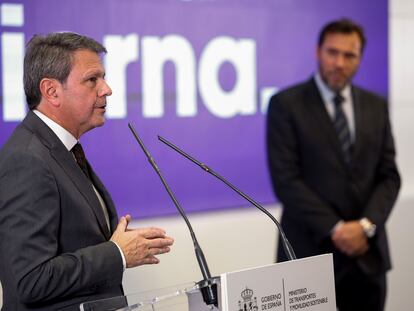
208, 285
290, 254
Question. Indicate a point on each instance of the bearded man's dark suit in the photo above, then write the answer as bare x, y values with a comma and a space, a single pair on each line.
54, 240
317, 188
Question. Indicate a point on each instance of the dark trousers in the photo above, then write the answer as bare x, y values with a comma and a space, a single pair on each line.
357, 291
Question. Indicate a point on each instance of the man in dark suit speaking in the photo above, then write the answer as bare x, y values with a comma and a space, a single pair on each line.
332, 162
60, 239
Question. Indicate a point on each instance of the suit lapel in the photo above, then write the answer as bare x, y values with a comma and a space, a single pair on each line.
359, 121
323, 122
113, 217
66, 161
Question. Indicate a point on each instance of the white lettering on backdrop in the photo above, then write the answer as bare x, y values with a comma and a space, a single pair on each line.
190, 78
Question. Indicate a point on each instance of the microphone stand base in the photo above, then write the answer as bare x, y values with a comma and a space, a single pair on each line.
208, 289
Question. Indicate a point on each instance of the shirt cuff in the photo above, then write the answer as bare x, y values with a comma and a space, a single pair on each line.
122, 255
337, 225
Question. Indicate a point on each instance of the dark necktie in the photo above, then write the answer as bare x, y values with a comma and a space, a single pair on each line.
342, 128
77, 151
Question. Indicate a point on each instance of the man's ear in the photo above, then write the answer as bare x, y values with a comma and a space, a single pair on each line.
50, 90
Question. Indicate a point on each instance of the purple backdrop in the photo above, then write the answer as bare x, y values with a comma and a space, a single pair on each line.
284, 33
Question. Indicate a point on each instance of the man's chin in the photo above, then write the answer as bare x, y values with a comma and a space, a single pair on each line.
92, 126
335, 82
337, 86
101, 122
100, 118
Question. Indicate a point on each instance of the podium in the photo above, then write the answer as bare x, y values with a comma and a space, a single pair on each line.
304, 284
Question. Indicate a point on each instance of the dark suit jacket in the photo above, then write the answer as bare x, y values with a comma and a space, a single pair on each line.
313, 182
54, 248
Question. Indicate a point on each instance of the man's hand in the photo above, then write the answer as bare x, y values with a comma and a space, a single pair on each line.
349, 237
140, 246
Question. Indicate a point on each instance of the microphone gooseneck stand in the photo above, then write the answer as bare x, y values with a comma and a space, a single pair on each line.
208, 286
290, 254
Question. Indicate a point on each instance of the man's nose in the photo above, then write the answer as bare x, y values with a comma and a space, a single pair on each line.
105, 89
340, 60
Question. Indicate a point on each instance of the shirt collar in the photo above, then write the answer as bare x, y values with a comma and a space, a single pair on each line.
64, 135
327, 94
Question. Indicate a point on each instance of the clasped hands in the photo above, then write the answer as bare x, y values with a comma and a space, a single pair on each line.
350, 238
140, 246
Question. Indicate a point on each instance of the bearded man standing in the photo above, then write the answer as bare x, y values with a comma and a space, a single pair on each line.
332, 161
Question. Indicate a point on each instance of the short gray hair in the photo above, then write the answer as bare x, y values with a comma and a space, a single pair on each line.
51, 56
